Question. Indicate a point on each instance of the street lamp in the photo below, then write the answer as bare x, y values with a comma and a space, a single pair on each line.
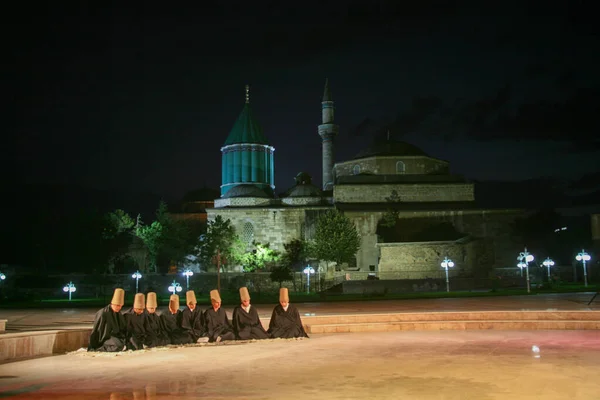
524, 259
175, 287
308, 270
70, 288
2, 276
583, 257
548, 263
447, 263
137, 277
187, 273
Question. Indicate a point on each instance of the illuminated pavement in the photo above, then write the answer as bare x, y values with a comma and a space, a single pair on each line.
38, 319
462, 365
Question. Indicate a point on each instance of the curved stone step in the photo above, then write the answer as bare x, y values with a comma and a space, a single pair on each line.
455, 325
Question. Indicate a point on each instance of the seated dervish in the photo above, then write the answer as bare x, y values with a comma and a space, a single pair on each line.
135, 318
285, 320
246, 323
216, 323
109, 332
171, 323
155, 334
192, 319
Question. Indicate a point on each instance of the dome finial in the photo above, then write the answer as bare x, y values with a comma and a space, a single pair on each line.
247, 94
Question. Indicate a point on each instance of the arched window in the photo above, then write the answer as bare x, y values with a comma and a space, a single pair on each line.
356, 169
400, 167
248, 233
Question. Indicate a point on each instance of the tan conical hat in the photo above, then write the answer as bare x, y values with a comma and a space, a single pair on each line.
139, 301
284, 295
151, 391
151, 300
139, 394
244, 295
174, 302
190, 297
214, 295
118, 297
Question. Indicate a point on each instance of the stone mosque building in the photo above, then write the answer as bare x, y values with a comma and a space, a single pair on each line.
436, 210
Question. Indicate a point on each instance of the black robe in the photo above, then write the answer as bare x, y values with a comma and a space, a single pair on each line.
155, 334
246, 325
286, 324
217, 324
136, 330
109, 332
171, 325
192, 322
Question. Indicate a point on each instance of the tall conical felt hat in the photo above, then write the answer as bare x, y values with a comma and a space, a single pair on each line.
151, 300
139, 301
244, 295
214, 295
284, 295
174, 302
118, 297
151, 391
190, 297
139, 394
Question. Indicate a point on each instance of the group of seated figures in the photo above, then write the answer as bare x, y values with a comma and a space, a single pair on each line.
143, 326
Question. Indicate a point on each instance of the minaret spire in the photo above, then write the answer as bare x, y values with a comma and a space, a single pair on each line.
328, 131
247, 94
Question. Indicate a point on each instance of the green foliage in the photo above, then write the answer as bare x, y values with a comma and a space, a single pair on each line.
390, 218
336, 239
296, 252
259, 257
281, 274
220, 237
118, 222
151, 236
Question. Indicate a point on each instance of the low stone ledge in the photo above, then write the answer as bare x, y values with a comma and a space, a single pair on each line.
2, 325
22, 345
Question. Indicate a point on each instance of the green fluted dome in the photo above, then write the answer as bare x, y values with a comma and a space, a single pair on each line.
246, 129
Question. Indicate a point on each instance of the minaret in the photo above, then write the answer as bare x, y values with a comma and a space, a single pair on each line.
328, 131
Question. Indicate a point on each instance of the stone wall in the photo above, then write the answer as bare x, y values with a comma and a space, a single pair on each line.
493, 248
378, 193
276, 226
386, 165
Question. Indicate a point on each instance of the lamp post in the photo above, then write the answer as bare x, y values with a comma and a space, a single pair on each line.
69, 288
524, 259
2, 276
548, 263
447, 263
583, 257
308, 270
137, 277
187, 273
175, 288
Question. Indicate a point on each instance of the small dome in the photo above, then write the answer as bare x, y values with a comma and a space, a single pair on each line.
304, 187
390, 148
246, 190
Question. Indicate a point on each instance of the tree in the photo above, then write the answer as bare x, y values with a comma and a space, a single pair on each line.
336, 239
259, 257
118, 234
296, 252
151, 236
281, 274
217, 242
390, 217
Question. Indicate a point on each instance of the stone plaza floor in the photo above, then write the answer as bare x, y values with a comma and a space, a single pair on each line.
480, 364
477, 365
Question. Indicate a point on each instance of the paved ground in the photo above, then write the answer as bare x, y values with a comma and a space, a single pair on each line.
32, 319
453, 365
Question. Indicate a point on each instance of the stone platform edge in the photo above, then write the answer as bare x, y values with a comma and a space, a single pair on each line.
24, 345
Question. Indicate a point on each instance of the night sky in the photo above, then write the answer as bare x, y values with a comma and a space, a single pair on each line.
139, 98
